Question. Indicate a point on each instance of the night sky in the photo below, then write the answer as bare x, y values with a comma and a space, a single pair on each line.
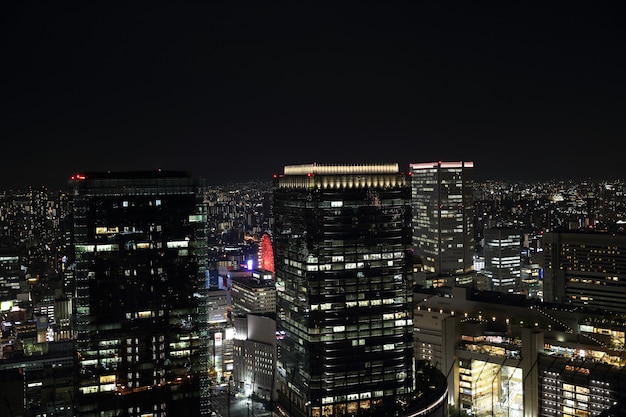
233, 91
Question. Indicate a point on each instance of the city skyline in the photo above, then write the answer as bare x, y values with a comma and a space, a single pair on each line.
114, 250
236, 92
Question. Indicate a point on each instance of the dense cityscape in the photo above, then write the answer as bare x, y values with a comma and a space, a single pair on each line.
329, 290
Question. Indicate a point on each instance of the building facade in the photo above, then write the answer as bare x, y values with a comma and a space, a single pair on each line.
585, 269
254, 346
443, 216
140, 294
253, 295
39, 383
341, 244
503, 259
11, 273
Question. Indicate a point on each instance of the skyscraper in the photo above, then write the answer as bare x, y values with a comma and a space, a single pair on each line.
503, 259
140, 289
443, 229
341, 243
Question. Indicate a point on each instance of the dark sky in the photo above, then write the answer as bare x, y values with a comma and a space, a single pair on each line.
236, 90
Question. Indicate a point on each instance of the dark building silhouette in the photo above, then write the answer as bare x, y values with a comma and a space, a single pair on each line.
140, 291
341, 245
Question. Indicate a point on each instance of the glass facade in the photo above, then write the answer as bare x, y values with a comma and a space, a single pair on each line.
490, 388
443, 207
140, 290
341, 242
503, 259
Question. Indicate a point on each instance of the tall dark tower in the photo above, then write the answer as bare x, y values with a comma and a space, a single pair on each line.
443, 214
141, 313
341, 244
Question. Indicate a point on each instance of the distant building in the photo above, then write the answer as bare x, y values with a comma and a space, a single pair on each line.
141, 294
585, 269
254, 294
220, 345
217, 306
11, 273
503, 259
443, 216
531, 277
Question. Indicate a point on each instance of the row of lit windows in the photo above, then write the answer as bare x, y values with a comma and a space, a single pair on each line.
352, 397
97, 388
102, 361
362, 303
331, 337
113, 247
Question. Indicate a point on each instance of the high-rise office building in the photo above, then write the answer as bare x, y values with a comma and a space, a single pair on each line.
342, 239
140, 294
503, 259
443, 215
